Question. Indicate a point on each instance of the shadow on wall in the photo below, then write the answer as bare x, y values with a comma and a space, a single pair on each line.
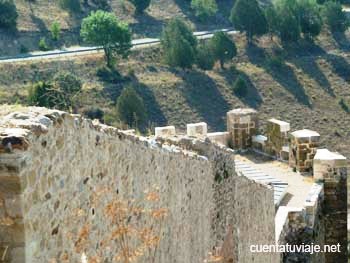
252, 98
283, 74
203, 96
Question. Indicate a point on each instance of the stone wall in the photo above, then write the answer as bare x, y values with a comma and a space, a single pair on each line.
69, 169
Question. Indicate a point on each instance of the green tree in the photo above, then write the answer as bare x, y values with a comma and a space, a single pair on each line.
55, 30
335, 17
104, 29
204, 8
247, 16
205, 57
179, 44
141, 5
310, 18
71, 5
130, 108
8, 14
43, 45
223, 47
272, 20
288, 25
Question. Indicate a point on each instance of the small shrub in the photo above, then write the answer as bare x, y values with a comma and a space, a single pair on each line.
55, 30
40, 94
275, 61
240, 87
130, 108
8, 14
205, 58
71, 5
23, 49
95, 113
42, 44
344, 105
204, 8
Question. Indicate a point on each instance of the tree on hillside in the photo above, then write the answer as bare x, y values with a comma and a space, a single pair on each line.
179, 44
288, 25
141, 5
205, 57
310, 18
223, 47
104, 29
55, 29
272, 20
8, 14
130, 107
247, 16
204, 8
71, 5
335, 17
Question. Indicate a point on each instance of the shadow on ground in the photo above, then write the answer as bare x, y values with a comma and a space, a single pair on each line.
282, 74
203, 95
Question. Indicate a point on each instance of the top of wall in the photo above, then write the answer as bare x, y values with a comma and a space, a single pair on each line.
19, 125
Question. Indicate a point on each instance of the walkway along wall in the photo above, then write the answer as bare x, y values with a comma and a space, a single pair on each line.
66, 170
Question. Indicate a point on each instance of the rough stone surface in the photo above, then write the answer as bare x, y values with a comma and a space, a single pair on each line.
242, 124
63, 161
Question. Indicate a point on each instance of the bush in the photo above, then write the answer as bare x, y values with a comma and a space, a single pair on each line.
55, 30
130, 108
204, 57
95, 113
71, 5
23, 49
240, 87
247, 16
275, 61
335, 17
8, 14
223, 47
141, 5
42, 44
40, 94
204, 8
344, 105
179, 44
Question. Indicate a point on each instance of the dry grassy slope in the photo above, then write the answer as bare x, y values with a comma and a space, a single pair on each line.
38, 15
305, 91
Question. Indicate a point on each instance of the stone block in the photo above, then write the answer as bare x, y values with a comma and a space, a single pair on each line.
329, 166
222, 138
242, 124
197, 129
167, 131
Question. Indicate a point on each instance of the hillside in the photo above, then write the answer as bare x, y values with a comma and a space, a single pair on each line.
304, 89
36, 17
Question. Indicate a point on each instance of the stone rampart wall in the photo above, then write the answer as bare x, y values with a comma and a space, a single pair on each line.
70, 169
